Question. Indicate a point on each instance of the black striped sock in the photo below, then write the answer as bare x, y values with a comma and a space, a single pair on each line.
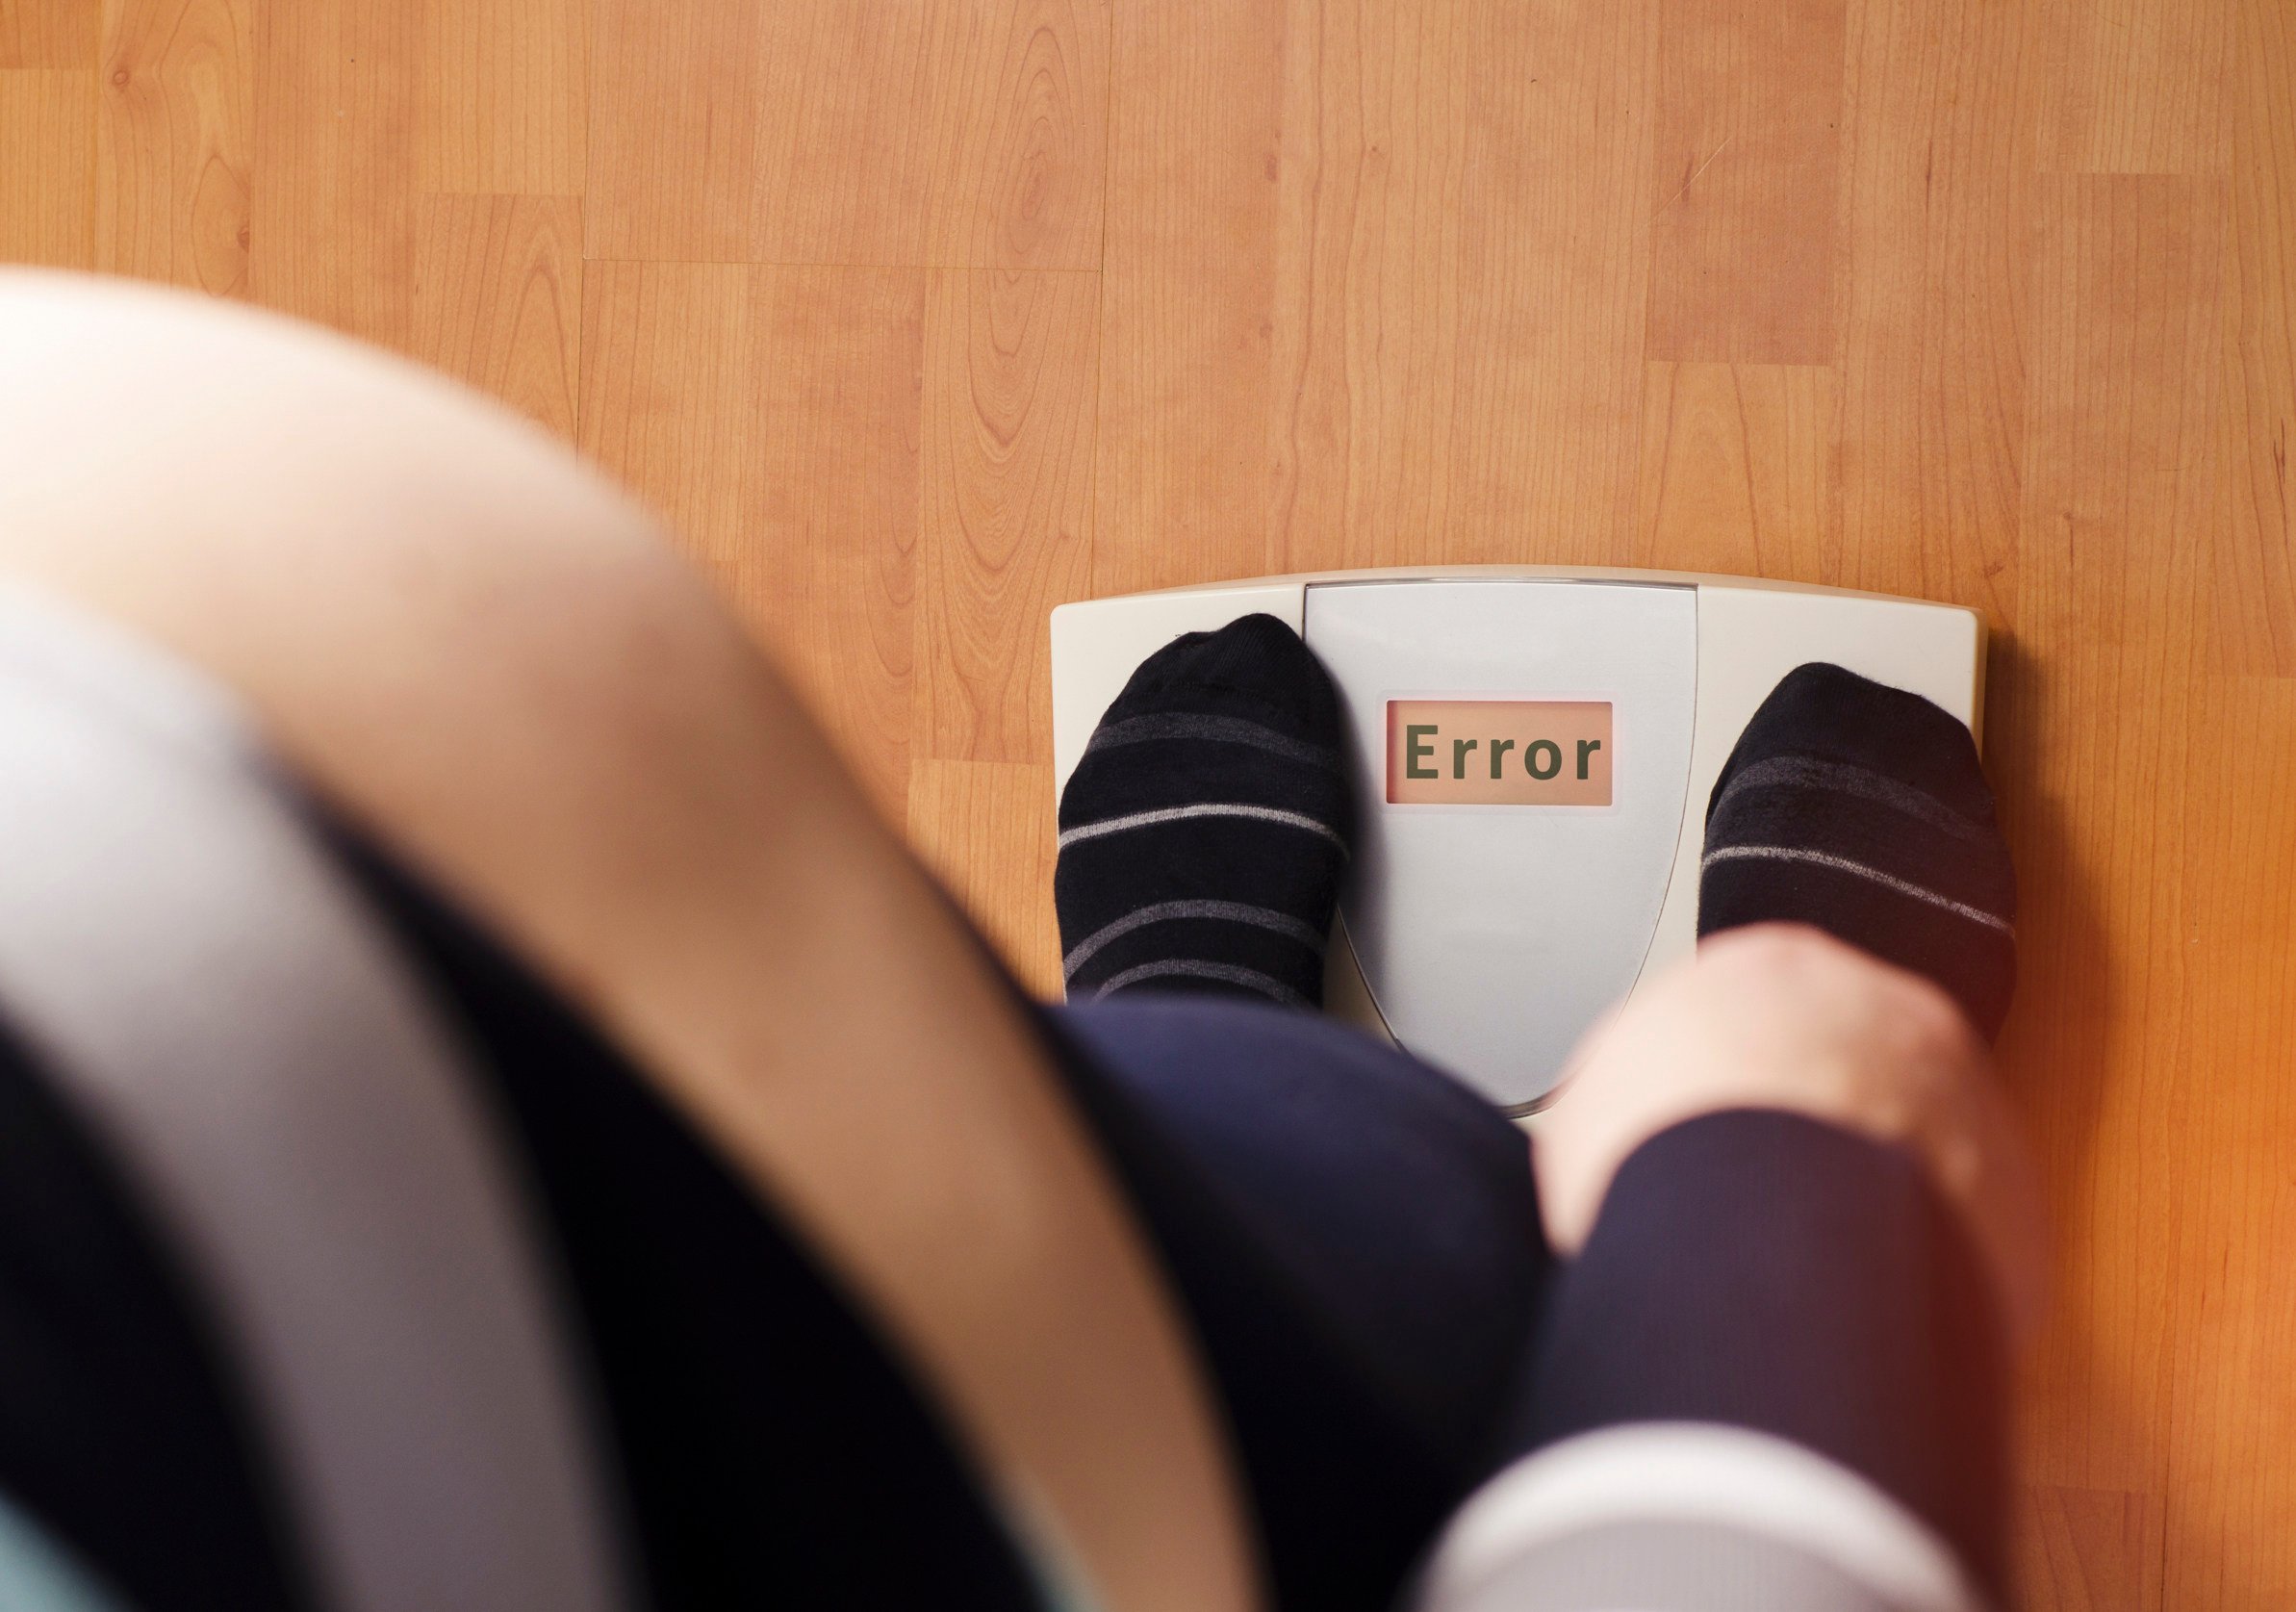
1203, 835
1862, 810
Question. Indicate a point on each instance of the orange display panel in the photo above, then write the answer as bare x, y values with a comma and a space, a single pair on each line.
1499, 752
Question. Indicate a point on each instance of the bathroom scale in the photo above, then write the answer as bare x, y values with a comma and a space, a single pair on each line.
1532, 750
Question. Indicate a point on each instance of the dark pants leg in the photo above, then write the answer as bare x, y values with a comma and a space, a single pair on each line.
1356, 1237
1759, 1270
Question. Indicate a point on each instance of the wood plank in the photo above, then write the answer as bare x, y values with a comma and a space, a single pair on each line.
498, 298
735, 131
826, 563
48, 33
332, 232
1935, 230
773, 415
2254, 625
684, 77
664, 380
47, 205
2096, 760
2132, 85
987, 830
1019, 131
504, 96
785, 155
777, 112
1737, 467
1376, 188
175, 145
1181, 468
1010, 362
2089, 1550
1743, 182
1461, 284
2229, 1483
1555, 258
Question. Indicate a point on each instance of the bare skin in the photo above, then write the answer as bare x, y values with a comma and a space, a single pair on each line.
485, 654
1782, 1016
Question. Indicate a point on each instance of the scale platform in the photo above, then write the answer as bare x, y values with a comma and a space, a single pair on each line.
1533, 750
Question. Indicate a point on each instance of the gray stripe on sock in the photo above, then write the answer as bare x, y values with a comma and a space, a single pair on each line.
1843, 865
1203, 808
1848, 779
1202, 969
1164, 911
1222, 729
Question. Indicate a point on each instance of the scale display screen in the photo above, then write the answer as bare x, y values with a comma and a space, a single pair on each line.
1528, 753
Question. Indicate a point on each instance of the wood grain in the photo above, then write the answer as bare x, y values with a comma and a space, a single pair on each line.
1744, 180
665, 379
1181, 481
800, 387
2132, 85
1369, 280
1737, 470
1458, 316
504, 98
48, 33
1935, 225
2234, 1323
2254, 627
1011, 364
986, 828
332, 236
498, 298
175, 145
2095, 1550
1019, 129
1555, 252
915, 318
2120, 468
826, 560
47, 130
786, 155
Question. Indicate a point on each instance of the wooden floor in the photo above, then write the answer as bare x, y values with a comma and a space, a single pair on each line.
920, 315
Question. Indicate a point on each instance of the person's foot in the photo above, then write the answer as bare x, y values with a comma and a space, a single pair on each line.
1203, 835
1862, 810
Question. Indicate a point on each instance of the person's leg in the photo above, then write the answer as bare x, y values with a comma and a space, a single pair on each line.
1800, 1233
1355, 1235
1761, 1271
1780, 1297
1356, 1238
483, 656
1772, 1368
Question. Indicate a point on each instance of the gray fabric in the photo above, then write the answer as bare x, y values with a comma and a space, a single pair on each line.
1809, 772
37, 1575
1206, 809
1167, 912
1222, 729
1200, 968
207, 993
1664, 1566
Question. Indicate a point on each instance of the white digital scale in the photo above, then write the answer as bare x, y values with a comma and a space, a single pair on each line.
1532, 749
